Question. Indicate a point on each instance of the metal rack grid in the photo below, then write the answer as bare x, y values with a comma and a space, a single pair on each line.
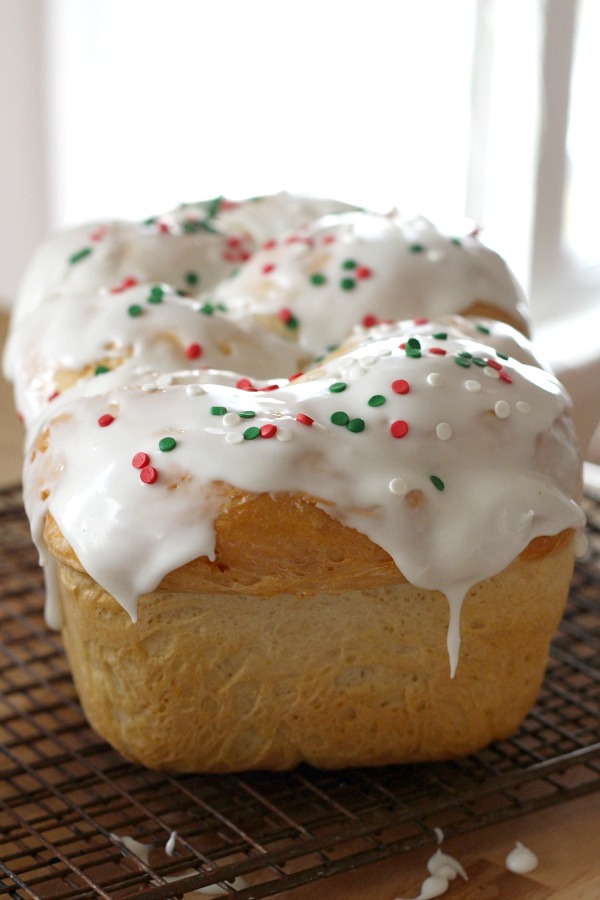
64, 794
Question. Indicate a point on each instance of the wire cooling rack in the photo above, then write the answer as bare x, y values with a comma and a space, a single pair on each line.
65, 795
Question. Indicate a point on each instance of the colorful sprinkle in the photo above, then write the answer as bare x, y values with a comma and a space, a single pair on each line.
218, 410
437, 482
400, 386
191, 279
288, 318
340, 418
134, 310
482, 329
156, 294
166, 444
126, 283
502, 409
304, 419
251, 433
363, 272
349, 264
434, 379
148, 475
268, 430
398, 486
356, 425
347, 284
369, 320
337, 387
140, 460
193, 351
437, 351
101, 370
79, 255
246, 414
317, 278
376, 400
416, 248
105, 420
399, 429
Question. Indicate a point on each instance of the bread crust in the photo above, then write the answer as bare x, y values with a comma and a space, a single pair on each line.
255, 676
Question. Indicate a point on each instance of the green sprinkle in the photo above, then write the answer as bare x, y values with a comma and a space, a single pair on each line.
356, 425
291, 323
213, 207
81, 254
479, 361
221, 307
416, 248
461, 361
251, 433
135, 310
376, 400
349, 264
347, 284
440, 336
191, 278
207, 308
482, 329
317, 278
101, 370
218, 410
464, 354
156, 294
456, 241
340, 418
437, 482
247, 414
501, 355
413, 343
332, 347
166, 444
412, 353
337, 387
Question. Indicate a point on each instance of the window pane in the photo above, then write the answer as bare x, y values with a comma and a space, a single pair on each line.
156, 102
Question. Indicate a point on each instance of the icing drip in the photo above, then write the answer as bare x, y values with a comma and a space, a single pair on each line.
442, 870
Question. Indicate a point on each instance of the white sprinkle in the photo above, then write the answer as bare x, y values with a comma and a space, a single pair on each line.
170, 845
472, 386
398, 486
502, 409
194, 390
385, 351
435, 379
356, 372
493, 373
521, 860
283, 434
443, 431
165, 380
150, 387
436, 255
234, 437
523, 406
231, 418
368, 361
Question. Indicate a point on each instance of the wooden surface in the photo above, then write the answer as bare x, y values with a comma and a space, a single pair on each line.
566, 838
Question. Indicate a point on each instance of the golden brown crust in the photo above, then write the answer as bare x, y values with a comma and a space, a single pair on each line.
311, 552
207, 682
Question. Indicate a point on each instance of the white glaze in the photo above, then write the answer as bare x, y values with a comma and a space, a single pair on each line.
497, 436
506, 480
521, 859
442, 870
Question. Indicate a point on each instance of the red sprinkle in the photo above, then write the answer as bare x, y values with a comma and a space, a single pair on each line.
193, 351
53, 396
140, 460
105, 420
268, 245
363, 272
438, 351
267, 268
304, 419
232, 242
328, 238
401, 386
297, 375
504, 377
420, 320
148, 475
270, 387
399, 429
244, 384
125, 284
285, 315
99, 233
369, 320
493, 364
268, 431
